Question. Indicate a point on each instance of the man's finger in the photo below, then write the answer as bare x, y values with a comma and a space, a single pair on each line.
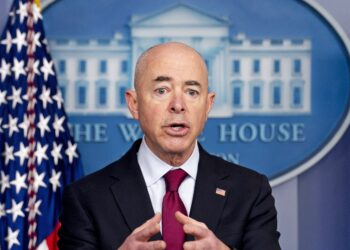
140, 236
154, 220
197, 231
154, 245
183, 219
180, 217
146, 233
190, 245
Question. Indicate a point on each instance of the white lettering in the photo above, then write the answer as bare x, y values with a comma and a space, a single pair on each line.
100, 132
298, 132
130, 131
231, 157
248, 132
264, 132
227, 130
87, 132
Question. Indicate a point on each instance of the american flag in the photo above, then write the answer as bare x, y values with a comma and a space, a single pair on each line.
38, 157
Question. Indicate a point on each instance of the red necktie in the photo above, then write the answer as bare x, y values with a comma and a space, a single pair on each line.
172, 230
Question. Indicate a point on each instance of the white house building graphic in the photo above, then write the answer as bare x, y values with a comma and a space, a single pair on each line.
250, 76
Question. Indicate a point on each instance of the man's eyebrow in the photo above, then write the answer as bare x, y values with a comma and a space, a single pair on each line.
168, 79
192, 83
162, 79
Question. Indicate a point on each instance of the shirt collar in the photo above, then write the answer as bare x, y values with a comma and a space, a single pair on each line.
154, 168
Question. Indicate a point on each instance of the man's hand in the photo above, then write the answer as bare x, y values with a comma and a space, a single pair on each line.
138, 239
204, 238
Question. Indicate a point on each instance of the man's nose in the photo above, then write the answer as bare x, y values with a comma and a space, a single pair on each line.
177, 104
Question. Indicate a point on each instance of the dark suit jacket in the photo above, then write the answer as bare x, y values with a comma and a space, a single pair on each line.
102, 209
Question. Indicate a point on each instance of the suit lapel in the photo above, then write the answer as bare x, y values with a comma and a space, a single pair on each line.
207, 205
130, 192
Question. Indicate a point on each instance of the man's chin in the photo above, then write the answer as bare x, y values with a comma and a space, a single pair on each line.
180, 147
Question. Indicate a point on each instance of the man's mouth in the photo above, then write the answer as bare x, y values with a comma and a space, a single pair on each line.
178, 126
177, 129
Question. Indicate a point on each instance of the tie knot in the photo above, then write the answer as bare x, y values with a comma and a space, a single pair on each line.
174, 178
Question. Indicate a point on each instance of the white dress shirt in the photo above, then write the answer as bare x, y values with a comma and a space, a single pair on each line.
153, 170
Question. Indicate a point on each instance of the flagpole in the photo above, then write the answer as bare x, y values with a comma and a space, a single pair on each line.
31, 130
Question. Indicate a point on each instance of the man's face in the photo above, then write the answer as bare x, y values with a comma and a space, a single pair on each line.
171, 100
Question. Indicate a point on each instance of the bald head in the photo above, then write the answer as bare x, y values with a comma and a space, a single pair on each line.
177, 50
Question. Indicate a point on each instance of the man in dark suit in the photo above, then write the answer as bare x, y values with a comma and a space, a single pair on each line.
121, 206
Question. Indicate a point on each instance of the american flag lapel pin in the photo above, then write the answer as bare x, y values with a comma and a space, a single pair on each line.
220, 191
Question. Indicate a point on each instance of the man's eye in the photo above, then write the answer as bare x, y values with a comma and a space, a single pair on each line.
192, 92
161, 91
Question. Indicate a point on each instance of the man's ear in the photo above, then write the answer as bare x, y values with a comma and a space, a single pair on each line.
210, 102
131, 100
